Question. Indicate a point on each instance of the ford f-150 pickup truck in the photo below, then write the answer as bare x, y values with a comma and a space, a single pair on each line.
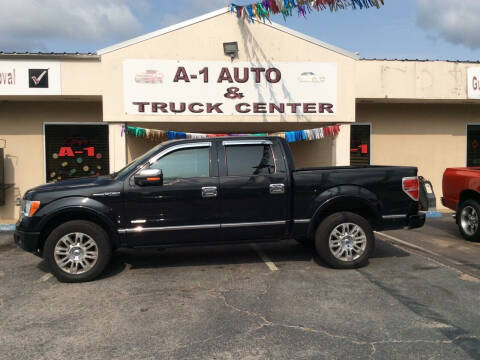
216, 191
461, 193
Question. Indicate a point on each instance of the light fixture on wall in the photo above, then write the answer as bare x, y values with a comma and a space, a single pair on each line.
231, 49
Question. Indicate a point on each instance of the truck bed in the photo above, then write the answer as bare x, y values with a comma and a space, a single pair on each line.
380, 186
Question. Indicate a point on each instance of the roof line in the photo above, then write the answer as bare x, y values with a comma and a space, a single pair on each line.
163, 31
213, 14
313, 40
424, 60
49, 56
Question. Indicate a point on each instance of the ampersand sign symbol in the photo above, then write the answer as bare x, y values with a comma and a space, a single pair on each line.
233, 93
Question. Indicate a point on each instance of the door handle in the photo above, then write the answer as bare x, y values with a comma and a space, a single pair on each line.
209, 192
277, 189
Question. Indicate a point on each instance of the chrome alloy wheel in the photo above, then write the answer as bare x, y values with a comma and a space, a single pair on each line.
469, 220
76, 253
347, 242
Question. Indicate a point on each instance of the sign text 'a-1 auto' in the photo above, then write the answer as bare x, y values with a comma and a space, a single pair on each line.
155, 87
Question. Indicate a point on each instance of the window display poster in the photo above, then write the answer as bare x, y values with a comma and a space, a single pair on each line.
73, 151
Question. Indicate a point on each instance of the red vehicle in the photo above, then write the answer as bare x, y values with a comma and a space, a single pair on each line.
461, 193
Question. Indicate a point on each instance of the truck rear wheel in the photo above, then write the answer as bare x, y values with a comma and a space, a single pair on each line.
468, 216
345, 240
77, 251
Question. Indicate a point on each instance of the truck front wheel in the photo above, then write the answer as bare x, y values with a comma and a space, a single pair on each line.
77, 251
345, 240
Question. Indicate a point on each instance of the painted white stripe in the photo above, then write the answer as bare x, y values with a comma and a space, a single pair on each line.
265, 258
406, 243
45, 277
393, 238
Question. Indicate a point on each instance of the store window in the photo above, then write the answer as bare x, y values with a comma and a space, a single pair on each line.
184, 164
247, 160
473, 145
360, 144
75, 150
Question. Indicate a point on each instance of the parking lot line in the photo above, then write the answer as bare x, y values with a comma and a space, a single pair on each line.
45, 277
264, 257
440, 259
406, 243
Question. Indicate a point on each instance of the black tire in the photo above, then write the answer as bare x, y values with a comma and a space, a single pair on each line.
467, 232
68, 230
326, 228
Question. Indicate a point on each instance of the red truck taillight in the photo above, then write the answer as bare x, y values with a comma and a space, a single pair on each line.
411, 187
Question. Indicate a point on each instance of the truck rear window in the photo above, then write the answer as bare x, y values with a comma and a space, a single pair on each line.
248, 160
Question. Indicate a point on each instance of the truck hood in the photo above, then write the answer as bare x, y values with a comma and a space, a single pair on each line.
77, 187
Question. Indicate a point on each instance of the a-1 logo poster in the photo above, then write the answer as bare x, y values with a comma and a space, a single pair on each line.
74, 151
167, 87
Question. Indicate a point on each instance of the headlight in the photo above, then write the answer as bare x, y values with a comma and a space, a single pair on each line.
28, 208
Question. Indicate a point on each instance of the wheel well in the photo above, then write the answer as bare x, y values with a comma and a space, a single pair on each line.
74, 215
346, 205
469, 194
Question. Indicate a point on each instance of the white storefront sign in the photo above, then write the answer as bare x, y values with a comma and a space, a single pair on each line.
157, 87
21, 77
473, 83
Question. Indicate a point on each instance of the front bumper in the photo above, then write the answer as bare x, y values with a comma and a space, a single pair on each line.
28, 241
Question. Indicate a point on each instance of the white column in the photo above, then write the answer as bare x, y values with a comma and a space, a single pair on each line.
341, 147
117, 147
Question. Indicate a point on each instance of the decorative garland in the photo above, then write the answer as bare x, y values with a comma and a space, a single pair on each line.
262, 10
290, 136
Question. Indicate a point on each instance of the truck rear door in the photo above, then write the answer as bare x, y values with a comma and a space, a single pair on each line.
254, 190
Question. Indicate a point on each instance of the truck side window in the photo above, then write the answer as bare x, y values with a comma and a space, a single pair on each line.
247, 160
184, 164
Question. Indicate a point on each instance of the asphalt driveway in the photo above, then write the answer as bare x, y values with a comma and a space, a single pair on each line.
272, 301
440, 239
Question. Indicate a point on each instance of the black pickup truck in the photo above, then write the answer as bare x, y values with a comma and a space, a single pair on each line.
216, 191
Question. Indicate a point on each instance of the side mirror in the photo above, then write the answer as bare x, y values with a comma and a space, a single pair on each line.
149, 177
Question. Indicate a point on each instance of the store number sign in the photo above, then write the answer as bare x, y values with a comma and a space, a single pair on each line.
154, 87
67, 151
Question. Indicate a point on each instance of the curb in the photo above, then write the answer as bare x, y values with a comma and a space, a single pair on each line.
434, 215
7, 228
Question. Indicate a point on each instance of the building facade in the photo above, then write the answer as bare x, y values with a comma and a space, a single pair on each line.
63, 115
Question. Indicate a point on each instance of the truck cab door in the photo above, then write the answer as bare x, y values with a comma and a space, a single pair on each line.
185, 208
254, 190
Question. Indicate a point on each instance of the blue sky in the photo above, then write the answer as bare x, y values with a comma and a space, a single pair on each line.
414, 29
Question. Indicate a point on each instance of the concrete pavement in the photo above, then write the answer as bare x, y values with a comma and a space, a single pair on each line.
441, 240
226, 303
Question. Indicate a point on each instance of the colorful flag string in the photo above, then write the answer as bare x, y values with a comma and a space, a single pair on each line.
291, 136
261, 11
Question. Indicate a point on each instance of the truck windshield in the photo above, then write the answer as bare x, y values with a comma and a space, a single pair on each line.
136, 162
